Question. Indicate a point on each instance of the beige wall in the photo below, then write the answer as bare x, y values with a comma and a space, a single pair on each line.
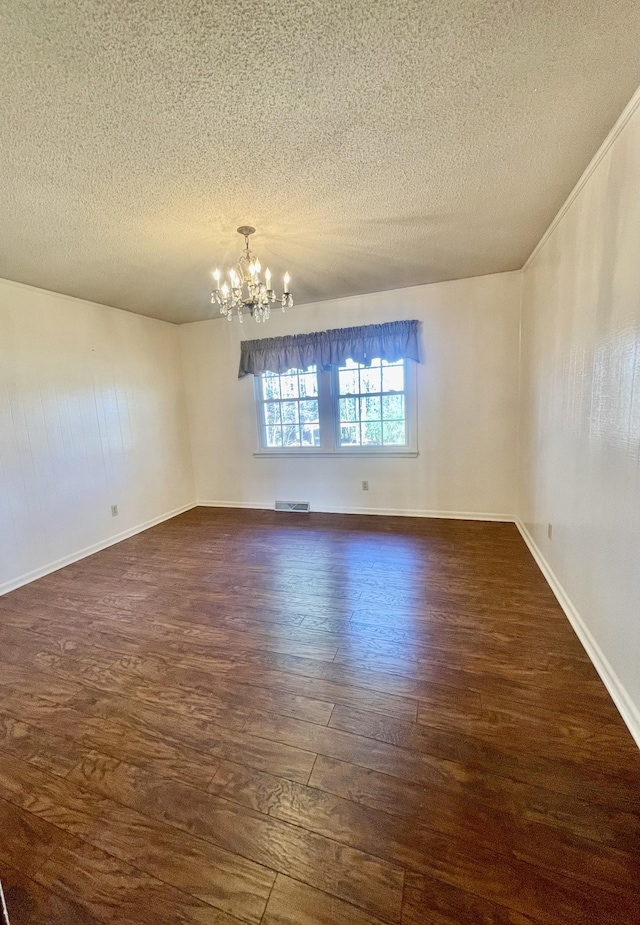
580, 434
91, 414
467, 407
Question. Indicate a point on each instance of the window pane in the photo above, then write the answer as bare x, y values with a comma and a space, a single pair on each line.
273, 436
309, 385
393, 407
370, 409
272, 412
348, 409
370, 380
270, 385
310, 434
393, 377
289, 386
290, 435
394, 433
289, 411
372, 433
349, 435
308, 412
349, 383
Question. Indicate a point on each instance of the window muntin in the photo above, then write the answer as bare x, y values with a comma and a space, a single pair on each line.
290, 410
371, 404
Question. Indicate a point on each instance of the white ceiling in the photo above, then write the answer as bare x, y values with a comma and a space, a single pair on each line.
373, 143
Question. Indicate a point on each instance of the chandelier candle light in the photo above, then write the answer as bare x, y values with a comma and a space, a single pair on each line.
246, 289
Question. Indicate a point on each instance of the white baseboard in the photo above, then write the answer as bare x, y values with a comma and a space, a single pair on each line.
33, 575
378, 511
28, 577
619, 694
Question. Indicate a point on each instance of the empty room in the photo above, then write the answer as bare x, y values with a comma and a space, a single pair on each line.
319, 462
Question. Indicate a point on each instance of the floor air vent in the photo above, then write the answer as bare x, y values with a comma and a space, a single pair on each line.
300, 507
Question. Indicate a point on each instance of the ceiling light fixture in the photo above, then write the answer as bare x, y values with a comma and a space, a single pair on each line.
246, 289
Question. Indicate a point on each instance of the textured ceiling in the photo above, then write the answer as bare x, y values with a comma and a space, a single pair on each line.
374, 143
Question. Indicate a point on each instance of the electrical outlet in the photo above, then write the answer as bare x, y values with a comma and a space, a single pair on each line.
365, 486
114, 510
550, 531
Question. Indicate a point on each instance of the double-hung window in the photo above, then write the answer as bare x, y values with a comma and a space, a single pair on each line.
353, 409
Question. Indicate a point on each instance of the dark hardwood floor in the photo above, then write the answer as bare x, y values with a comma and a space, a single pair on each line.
283, 719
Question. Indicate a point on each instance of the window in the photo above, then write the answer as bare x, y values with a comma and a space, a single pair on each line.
289, 415
351, 410
371, 410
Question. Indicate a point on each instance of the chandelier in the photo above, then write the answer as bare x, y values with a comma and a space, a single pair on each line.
246, 289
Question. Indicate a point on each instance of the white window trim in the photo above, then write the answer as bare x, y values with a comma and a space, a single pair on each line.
327, 401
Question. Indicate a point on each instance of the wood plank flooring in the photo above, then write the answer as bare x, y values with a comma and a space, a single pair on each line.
243, 716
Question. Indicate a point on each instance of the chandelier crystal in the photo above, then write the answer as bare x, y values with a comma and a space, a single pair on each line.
246, 289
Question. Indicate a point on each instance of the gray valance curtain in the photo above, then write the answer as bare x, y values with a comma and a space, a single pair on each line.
392, 341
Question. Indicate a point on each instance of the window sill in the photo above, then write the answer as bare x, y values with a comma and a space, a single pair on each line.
336, 454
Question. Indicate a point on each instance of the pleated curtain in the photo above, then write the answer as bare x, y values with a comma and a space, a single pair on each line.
395, 340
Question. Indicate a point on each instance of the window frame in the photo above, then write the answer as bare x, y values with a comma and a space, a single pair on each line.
329, 418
